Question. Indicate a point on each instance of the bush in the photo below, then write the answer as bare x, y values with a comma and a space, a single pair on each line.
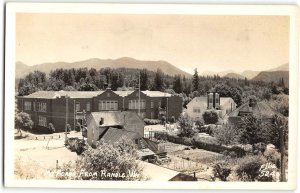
210, 117
152, 121
51, 128
23, 121
226, 135
221, 171
117, 158
249, 167
186, 127
273, 156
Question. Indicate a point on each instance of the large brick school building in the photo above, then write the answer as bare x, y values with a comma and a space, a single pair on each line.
54, 107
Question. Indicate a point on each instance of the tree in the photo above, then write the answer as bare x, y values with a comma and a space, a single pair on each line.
88, 87
23, 122
279, 137
221, 171
144, 79
158, 80
249, 166
177, 84
186, 126
107, 161
252, 130
226, 134
210, 117
195, 81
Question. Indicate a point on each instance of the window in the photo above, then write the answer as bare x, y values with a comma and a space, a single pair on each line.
27, 105
108, 94
42, 121
42, 107
136, 104
107, 105
197, 110
159, 103
77, 107
152, 104
88, 106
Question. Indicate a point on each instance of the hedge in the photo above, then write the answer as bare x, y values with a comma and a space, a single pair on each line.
212, 146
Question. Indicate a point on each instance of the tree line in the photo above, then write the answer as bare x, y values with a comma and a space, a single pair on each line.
84, 79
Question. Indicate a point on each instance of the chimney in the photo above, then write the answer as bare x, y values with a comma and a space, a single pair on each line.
101, 121
210, 99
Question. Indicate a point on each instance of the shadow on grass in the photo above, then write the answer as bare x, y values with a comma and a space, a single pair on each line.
21, 136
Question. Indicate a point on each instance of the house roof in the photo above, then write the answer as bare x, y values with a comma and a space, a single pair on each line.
113, 135
224, 100
156, 93
157, 173
71, 94
261, 108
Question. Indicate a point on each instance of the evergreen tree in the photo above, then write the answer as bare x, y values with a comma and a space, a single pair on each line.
144, 79
195, 80
158, 80
177, 85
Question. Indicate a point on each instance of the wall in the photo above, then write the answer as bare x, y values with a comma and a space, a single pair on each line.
174, 106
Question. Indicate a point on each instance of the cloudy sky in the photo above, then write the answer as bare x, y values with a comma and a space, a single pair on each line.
209, 43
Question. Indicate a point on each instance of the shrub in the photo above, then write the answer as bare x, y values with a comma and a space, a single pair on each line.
51, 128
152, 121
249, 167
117, 158
273, 156
186, 126
210, 117
221, 171
226, 135
23, 122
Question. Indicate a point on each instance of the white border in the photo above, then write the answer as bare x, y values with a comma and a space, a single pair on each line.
13, 8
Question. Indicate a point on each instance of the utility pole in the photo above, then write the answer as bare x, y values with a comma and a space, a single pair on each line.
74, 105
139, 106
67, 114
282, 152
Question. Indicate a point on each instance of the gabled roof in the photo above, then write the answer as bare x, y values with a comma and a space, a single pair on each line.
156, 94
199, 101
71, 94
113, 135
260, 109
224, 100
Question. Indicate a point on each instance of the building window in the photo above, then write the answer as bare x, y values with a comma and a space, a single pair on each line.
108, 94
42, 107
77, 106
42, 121
27, 105
159, 103
197, 110
137, 104
107, 105
88, 106
152, 104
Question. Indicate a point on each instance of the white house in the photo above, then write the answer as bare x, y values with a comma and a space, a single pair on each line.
223, 105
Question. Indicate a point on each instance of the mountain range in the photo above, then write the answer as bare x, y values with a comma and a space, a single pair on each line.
124, 62
270, 75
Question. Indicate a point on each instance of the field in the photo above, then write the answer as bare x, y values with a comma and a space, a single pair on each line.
34, 158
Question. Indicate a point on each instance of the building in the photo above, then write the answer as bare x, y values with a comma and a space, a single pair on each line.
61, 107
223, 105
112, 126
260, 109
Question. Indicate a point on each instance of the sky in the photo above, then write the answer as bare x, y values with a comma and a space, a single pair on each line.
208, 43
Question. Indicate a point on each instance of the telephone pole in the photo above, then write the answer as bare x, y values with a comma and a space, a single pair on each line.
67, 114
139, 106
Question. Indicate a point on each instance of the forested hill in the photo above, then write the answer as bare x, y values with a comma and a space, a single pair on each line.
22, 69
